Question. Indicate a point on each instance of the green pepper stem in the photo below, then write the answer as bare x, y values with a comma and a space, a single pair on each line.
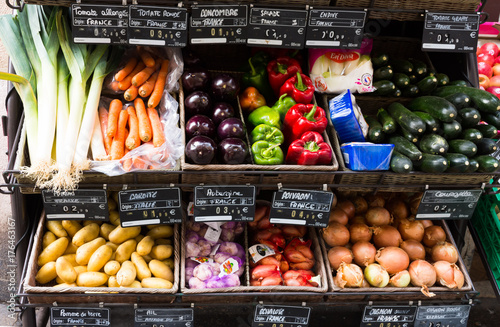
282, 68
284, 95
252, 67
267, 153
270, 136
310, 115
311, 146
299, 85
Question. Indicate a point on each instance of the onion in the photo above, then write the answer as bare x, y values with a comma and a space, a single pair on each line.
339, 216
444, 251
411, 229
448, 274
360, 232
365, 283
348, 207
414, 249
377, 216
397, 208
358, 219
393, 259
376, 276
375, 200
336, 234
349, 275
423, 274
335, 200
386, 236
400, 279
433, 235
415, 202
364, 253
339, 254
427, 223
360, 204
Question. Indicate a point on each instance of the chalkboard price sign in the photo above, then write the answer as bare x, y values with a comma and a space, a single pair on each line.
281, 315
388, 316
442, 315
224, 203
79, 317
301, 207
156, 317
78, 204
448, 204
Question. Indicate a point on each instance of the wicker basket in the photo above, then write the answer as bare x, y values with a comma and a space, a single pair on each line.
47, 294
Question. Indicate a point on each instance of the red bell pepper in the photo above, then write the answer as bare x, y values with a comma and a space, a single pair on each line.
302, 118
280, 70
310, 149
300, 88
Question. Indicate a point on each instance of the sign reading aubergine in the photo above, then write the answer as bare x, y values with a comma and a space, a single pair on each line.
104, 24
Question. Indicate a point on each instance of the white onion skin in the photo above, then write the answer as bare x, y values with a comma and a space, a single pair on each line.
364, 253
339, 254
414, 249
411, 230
400, 279
360, 232
448, 274
433, 235
376, 276
349, 275
444, 251
386, 235
422, 273
392, 259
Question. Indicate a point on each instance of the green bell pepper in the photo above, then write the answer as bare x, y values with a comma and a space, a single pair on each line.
265, 115
283, 104
265, 153
267, 133
257, 77
260, 58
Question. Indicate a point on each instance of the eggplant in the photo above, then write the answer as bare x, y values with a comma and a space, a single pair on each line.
200, 125
221, 111
198, 102
201, 150
225, 87
232, 151
191, 59
195, 79
231, 127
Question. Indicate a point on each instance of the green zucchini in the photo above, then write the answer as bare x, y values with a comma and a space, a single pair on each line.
459, 82
405, 147
397, 93
459, 100
419, 67
469, 116
442, 79
437, 107
472, 134
488, 131
410, 91
379, 60
433, 144
483, 100
486, 146
375, 133
388, 123
413, 78
493, 119
431, 122
400, 163
401, 66
382, 73
406, 118
409, 136
384, 87
427, 84
433, 163
462, 146
473, 165
458, 163
451, 130
487, 164
401, 80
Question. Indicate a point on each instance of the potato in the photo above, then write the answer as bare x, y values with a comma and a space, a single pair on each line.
169, 262
115, 197
91, 279
122, 234
135, 284
80, 269
71, 227
112, 245
46, 273
59, 280
65, 285
155, 282
112, 267
127, 273
163, 241
140, 266
71, 248
65, 270
145, 245
112, 282
55, 226
99, 258
139, 237
71, 258
163, 231
53, 251
86, 234
147, 258
112, 205
48, 238
114, 217
161, 270
84, 252
153, 226
88, 222
161, 252
105, 230
124, 250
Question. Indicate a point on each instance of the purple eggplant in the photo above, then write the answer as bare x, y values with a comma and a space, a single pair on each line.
200, 125
191, 59
232, 151
225, 87
201, 150
195, 79
221, 111
198, 102
231, 127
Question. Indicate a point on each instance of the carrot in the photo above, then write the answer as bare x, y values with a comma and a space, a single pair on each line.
158, 136
114, 86
157, 93
127, 69
103, 118
139, 163
131, 93
146, 57
114, 111
146, 88
145, 130
127, 81
118, 145
144, 74
126, 163
133, 140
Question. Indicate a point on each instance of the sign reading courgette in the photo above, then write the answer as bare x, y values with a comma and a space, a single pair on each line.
448, 204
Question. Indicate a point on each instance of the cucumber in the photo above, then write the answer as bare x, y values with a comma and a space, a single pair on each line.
483, 100
379, 60
382, 73
462, 146
451, 130
409, 136
427, 84
472, 134
400, 163
431, 122
473, 165
443, 79
486, 146
487, 164
458, 163
433, 144
401, 66
433, 163
437, 107
492, 119
419, 67
488, 131
410, 91
469, 116
405, 147
384, 87
459, 100
375, 133
401, 80
388, 123
406, 118
459, 82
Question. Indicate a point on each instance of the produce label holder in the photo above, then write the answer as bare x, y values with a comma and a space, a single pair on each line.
281, 315
442, 315
77, 204
79, 317
172, 317
395, 315
448, 204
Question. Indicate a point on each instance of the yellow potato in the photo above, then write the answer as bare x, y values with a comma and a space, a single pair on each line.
153, 226
84, 252
163, 241
147, 258
99, 258
112, 282
112, 245
88, 222
114, 217
105, 230
163, 231
53, 251
55, 226
48, 238
71, 248
71, 258
145, 245
65, 285
155, 282
140, 266
112, 205
59, 280
46, 273
91, 279
169, 262
122, 234
112, 267
135, 284
80, 269
161, 270
71, 227
124, 250
127, 273
161, 252
86, 234
65, 270
115, 197
139, 237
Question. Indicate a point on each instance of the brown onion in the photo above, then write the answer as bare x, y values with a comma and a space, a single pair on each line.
360, 204
400, 279
339, 216
414, 249
386, 236
376, 276
433, 235
444, 251
360, 232
397, 208
365, 283
415, 202
377, 216
336, 234
411, 229
349, 275
375, 200
423, 274
335, 200
348, 207
339, 254
427, 223
364, 253
358, 219
448, 274
393, 259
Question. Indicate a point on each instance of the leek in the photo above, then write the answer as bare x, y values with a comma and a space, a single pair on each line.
62, 104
